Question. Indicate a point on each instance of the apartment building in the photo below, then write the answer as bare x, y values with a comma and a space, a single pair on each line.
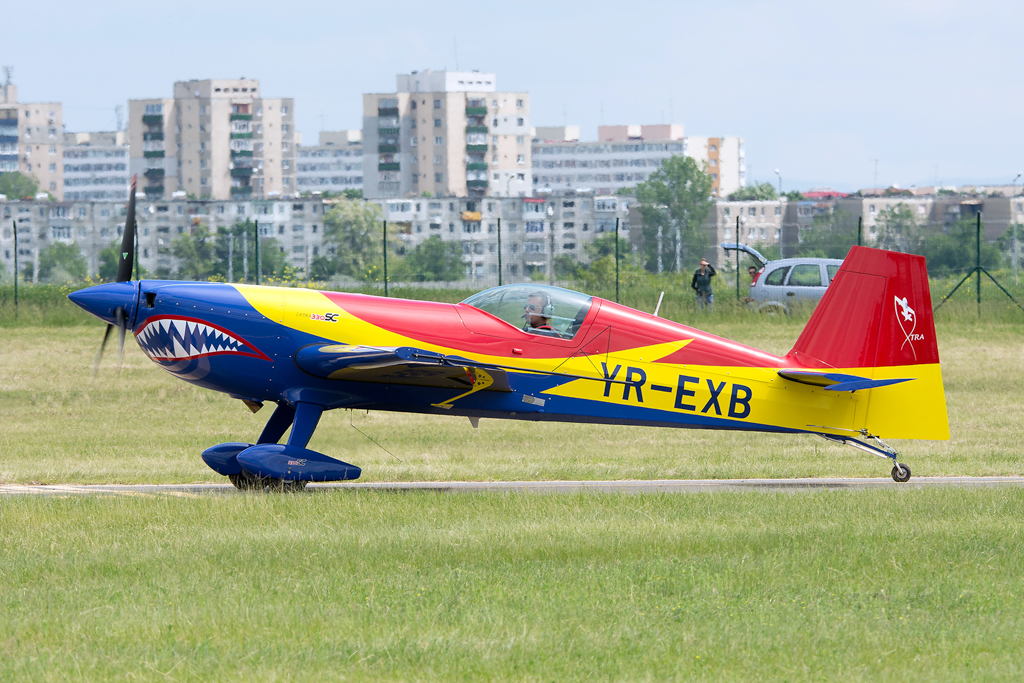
296, 226
534, 231
96, 166
214, 139
32, 139
626, 155
446, 133
334, 165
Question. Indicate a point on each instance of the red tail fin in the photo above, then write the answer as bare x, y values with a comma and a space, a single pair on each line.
877, 312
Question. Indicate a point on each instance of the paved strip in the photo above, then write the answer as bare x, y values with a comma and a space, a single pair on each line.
618, 486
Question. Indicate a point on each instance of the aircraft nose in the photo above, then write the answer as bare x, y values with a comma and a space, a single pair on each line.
102, 300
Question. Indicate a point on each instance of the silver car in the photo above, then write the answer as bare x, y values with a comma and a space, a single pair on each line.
780, 284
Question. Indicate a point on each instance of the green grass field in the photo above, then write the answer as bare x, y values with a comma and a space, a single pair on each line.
876, 585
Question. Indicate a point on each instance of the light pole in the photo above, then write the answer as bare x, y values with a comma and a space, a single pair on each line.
1013, 212
780, 181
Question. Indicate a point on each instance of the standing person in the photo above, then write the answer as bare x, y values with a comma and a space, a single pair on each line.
701, 284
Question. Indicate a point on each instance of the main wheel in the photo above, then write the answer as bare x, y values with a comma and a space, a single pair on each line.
244, 481
896, 476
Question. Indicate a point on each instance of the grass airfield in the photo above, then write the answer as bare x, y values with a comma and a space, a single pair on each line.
830, 585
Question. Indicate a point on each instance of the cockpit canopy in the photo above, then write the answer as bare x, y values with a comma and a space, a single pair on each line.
564, 309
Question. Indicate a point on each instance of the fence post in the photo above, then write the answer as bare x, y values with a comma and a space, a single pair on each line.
737, 258
977, 260
860, 229
15, 224
616, 259
385, 258
256, 229
499, 252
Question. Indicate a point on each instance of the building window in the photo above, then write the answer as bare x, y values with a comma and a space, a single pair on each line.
520, 158
437, 104
53, 167
519, 103
284, 108
778, 210
520, 122
438, 140
439, 177
437, 123
203, 181
437, 158
53, 150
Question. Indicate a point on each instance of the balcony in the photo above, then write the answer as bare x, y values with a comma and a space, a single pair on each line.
389, 167
241, 117
387, 149
152, 118
476, 148
154, 190
476, 111
241, 153
241, 172
385, 132
241, 136
153, 136
155, 174
476, 129
476, 184
388, 112
154, 155
476, 166
243, 191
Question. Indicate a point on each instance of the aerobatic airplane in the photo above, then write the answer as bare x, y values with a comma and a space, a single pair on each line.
866, 366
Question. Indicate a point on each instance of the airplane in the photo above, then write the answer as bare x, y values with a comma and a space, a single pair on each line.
865, 367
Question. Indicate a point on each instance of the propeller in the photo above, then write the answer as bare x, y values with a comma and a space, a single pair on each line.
125, 264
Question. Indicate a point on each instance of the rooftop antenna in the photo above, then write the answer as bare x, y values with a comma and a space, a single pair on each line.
119, 113
8, 70
455, 41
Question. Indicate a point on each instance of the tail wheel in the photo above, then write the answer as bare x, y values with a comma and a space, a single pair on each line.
900, 476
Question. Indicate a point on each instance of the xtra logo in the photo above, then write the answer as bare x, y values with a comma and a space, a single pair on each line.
297, 463
907, 319
325, 317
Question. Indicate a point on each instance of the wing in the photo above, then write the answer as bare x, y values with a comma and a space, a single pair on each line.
401, 365
836, 381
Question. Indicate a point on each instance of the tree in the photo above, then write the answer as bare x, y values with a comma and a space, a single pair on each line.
898, 229
675, 202
955, 251
763, 192
353, 235
195, 253
60, 262
18, 186
435, 260
795, 196
830, 236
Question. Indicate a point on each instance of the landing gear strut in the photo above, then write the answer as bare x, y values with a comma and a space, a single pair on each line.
900, 472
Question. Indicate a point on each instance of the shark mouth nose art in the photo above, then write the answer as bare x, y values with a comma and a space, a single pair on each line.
176, 338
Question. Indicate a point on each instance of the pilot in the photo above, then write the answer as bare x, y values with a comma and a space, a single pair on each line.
538, 312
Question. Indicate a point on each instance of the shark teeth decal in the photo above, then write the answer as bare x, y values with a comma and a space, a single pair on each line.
176, 338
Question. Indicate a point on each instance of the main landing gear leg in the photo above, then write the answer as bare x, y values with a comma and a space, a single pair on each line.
283, 417
900, 472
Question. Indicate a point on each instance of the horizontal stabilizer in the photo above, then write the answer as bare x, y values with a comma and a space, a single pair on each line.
836, 381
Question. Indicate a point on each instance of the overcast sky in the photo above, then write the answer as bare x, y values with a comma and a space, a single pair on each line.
819, 90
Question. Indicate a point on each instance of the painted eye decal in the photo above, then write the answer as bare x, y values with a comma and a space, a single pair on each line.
175, 338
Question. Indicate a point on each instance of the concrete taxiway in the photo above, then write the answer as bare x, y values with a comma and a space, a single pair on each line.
617, 486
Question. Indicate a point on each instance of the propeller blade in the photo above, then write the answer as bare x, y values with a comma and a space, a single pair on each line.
126, 259
99, 353
121, 324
